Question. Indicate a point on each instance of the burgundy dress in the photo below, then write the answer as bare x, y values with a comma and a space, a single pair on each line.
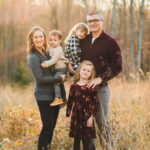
84, 102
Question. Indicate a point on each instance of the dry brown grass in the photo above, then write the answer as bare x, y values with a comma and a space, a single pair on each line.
129, 113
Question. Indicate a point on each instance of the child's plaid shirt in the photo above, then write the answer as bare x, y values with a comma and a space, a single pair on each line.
73, 51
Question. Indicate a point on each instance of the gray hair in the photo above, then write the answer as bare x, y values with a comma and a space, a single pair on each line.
95, 12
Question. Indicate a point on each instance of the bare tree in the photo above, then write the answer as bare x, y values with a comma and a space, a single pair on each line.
140, 38
107, 20
5, 34
113, 24
132, 64
124, 25
86, 7
53, 13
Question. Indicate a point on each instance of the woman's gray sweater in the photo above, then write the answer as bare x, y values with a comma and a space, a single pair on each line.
43, 77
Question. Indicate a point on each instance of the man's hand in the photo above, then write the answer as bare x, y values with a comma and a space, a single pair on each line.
70, 69
94, 82
43, 65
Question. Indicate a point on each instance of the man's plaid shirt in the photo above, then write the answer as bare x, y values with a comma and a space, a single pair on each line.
73, 51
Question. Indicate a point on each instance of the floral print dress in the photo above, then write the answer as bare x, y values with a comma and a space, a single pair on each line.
82, 103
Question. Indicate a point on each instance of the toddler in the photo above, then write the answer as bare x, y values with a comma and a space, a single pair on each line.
58, 60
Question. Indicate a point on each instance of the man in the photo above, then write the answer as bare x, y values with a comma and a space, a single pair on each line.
103, 50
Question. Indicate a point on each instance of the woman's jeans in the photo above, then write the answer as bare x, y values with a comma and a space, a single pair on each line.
49, 117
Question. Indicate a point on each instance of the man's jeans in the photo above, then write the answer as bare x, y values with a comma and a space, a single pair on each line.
104, 133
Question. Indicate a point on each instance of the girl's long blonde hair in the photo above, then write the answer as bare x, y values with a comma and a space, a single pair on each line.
79, 26
76, 77
30, 44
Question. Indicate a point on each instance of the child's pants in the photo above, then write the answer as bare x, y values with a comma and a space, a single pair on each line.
88, 144
56, 86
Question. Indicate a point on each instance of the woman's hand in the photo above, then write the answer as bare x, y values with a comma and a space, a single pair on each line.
43, 65
64, 77
68, 122
90, 121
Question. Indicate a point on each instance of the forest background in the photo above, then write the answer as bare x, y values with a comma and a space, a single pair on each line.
126, 20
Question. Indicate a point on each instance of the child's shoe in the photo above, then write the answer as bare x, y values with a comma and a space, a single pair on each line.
57, 101
63, 104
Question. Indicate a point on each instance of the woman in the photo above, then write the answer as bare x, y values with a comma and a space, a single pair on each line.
44, 81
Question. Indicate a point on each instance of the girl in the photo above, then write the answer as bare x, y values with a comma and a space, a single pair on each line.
73, 50
84, 102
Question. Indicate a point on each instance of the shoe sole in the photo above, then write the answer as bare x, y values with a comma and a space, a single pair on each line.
56, 104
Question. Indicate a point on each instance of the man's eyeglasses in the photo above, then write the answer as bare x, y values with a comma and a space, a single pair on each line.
94, 21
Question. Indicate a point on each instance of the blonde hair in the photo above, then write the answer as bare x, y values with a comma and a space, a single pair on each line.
76, 77
56, 32
79, 26
30, 44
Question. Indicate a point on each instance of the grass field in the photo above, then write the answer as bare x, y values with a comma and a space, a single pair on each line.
129, 115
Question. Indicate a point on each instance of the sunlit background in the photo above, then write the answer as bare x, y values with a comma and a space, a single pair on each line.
129, 107
121, 20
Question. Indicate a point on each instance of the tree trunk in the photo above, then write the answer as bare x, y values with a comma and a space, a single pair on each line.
53, 14
113, 24
86, 7
124, 25
107, 21
5, 37
132, 64
140, 38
